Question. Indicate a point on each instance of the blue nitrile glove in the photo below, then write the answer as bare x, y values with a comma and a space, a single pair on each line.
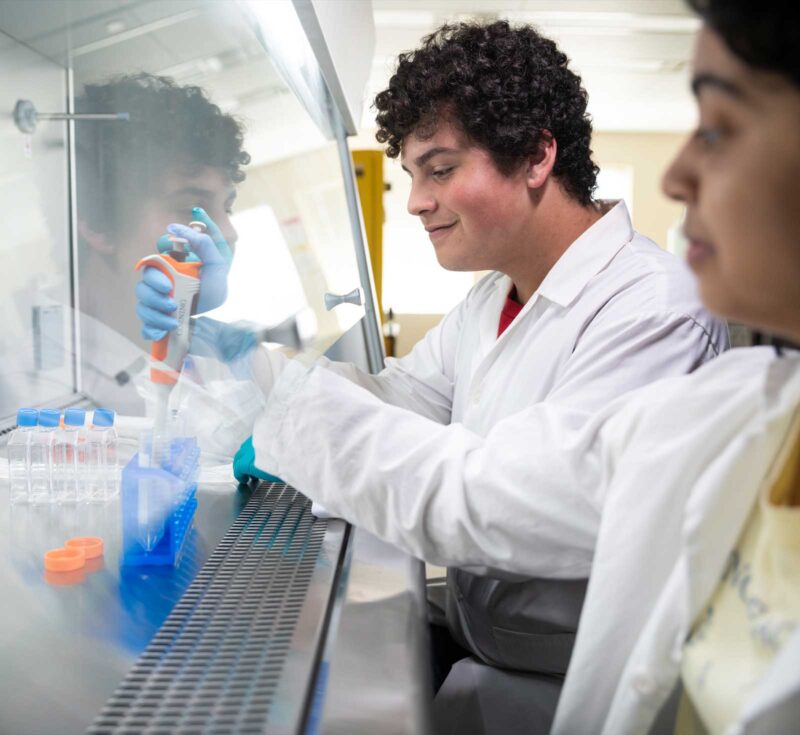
244, 465
225, 342
164, 244
155, 307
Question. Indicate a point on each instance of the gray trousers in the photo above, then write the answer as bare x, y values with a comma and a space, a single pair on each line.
519, 636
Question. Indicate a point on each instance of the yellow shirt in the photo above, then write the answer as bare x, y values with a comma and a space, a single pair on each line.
754, 610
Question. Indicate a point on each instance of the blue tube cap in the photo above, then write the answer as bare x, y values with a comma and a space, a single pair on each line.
103, 417
27, 417
49, 417
74, 417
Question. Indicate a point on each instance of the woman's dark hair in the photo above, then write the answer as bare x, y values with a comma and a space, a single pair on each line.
170, 127
765, 34
505, 87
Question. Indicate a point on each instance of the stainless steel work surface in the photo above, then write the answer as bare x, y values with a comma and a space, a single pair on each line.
239, 652
68, 640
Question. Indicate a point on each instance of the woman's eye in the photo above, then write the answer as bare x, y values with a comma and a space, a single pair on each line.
708, 136
442, 172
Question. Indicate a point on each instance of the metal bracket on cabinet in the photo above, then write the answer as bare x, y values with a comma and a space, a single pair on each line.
26, 116
334, 299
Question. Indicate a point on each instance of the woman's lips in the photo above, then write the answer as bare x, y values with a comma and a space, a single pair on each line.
698, 251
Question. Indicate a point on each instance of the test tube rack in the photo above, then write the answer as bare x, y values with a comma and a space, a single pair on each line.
172, 489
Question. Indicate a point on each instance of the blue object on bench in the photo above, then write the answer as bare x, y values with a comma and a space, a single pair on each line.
158, 505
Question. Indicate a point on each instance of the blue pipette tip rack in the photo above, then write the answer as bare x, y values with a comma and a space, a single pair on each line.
168, 493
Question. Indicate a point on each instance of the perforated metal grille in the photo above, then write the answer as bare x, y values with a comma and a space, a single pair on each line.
216, 662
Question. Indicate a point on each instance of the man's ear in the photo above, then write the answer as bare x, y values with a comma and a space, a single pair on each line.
540, 164
97, 241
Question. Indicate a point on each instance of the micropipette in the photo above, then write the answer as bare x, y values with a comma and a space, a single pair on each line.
166, 359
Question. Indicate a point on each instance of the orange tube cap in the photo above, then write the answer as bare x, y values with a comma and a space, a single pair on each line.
92, 545
64, 560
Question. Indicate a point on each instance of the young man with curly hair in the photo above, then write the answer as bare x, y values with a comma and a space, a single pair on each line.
491, 125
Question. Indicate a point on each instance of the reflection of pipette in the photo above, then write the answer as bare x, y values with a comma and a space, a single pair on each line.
166, 359
151, 509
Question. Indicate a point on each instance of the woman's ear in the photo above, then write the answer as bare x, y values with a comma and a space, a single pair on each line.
540, 164
96, 241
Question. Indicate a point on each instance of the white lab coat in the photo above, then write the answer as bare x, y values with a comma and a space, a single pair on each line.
661, 481
110, 367
683, 463
614, 313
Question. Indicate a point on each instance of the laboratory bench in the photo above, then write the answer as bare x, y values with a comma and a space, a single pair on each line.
272, 621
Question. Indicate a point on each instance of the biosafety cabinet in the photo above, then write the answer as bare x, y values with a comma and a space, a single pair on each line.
122, 116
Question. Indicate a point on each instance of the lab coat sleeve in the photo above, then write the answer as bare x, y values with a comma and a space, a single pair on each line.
525, 499
422, 381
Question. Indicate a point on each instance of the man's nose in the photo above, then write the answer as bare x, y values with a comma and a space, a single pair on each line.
420, 200
229, 232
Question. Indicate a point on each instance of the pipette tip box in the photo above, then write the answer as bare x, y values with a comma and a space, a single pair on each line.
158, 505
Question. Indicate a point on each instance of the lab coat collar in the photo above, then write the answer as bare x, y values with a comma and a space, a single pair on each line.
582, 260
491, 316
588, 255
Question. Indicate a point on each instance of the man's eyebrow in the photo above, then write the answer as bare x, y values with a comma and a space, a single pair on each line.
706, 80
425, 157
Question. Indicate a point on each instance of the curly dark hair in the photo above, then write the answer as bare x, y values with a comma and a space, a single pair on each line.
505, 87
763, 34
170, 126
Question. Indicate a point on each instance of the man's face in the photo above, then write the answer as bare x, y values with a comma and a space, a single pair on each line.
171, 200
738, 177
476, 218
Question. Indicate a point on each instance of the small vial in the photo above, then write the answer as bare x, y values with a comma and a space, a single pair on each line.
101, 457
19, 455
111, 455
67, 459
41, 456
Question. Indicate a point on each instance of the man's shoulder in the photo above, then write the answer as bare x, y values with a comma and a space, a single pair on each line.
645, 256
655, 281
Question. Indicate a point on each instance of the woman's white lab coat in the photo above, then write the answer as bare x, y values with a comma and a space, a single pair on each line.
661, 482
684, 462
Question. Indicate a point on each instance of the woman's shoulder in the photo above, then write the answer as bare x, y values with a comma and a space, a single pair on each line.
740, 383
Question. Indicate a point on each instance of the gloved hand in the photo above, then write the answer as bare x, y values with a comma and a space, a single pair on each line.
244, 465
225, 342
164, 244
155, 306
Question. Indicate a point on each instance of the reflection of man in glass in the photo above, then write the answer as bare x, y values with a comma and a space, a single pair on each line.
178, 151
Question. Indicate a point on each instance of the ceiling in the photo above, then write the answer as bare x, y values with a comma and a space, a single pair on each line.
202, 42
633, 55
